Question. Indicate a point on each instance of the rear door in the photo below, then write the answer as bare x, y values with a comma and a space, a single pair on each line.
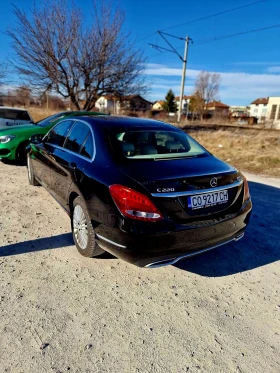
44, 161
71, 161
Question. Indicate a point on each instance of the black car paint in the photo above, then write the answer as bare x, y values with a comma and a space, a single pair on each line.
66, 175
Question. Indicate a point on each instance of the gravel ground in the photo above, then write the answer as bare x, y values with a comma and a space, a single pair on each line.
60, 312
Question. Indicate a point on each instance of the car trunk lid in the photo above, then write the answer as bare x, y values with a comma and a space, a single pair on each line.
172, 183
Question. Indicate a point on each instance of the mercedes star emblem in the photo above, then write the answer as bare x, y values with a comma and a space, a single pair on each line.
213, 182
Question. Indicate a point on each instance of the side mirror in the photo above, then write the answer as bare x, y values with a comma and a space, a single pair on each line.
36, 139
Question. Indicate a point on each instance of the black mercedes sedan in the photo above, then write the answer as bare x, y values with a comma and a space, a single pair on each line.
141, 189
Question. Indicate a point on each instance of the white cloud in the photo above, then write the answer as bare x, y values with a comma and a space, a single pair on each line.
161, 70
236, 87
273, 69
254, 63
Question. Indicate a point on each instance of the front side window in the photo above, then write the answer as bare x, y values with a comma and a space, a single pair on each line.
58, 134
77, 137
157, 144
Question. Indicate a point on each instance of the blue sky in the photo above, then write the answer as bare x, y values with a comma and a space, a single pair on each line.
249, 64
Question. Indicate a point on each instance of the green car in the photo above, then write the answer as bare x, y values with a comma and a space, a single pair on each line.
14, 140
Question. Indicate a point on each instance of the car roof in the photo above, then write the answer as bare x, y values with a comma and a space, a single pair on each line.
12, 108
116, 123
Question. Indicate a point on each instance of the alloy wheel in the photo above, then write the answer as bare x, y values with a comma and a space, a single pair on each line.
80, 227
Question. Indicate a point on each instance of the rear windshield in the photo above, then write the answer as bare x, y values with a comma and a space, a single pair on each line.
14, 114
156, 144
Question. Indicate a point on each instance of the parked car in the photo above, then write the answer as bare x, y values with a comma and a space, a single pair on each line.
140, 189
13, 141
13, 117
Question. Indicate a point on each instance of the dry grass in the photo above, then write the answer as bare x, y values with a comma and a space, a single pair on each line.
248, 150
38, 113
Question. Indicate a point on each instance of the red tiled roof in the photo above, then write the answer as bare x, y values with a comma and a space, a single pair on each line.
217, 104
260, 101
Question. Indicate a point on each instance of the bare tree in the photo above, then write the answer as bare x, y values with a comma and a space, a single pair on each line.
197, 105
23, 96
55, 50
207, 85
3, 74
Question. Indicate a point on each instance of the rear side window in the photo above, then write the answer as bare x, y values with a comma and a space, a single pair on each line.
58, 134
14, 114
154, 144
77, 137
87, 149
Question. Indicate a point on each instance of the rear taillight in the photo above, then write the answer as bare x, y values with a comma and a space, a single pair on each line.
134, 205
246, 190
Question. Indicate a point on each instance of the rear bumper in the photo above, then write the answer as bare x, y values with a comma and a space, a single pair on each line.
163, 248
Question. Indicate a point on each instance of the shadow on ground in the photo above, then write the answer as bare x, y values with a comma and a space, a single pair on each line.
260, 246
46, 243
14, 163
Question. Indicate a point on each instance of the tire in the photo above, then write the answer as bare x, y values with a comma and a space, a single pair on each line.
31, 177
83, 230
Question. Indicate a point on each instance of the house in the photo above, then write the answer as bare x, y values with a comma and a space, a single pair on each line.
134, 104
123, 105
107, 104
185, 103
217, 109
239, 111
273, 112
258, 109
158, 105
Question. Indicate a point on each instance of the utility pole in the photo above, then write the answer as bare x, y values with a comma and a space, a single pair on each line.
183, 59
183, 77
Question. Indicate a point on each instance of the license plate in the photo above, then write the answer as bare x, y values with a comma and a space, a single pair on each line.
207, 199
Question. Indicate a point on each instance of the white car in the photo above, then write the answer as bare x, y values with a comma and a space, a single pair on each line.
10, 117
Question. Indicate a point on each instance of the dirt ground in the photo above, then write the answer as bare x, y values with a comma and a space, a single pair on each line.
60, 312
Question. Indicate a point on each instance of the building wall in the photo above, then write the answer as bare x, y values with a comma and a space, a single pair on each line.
136, 104
185, 105
273, 112
106, 105
218, 111
259, 111
239, 111
157, 106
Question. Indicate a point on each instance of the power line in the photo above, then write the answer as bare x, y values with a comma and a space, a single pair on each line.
236, 34
205, 41
214, 15
204, 18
